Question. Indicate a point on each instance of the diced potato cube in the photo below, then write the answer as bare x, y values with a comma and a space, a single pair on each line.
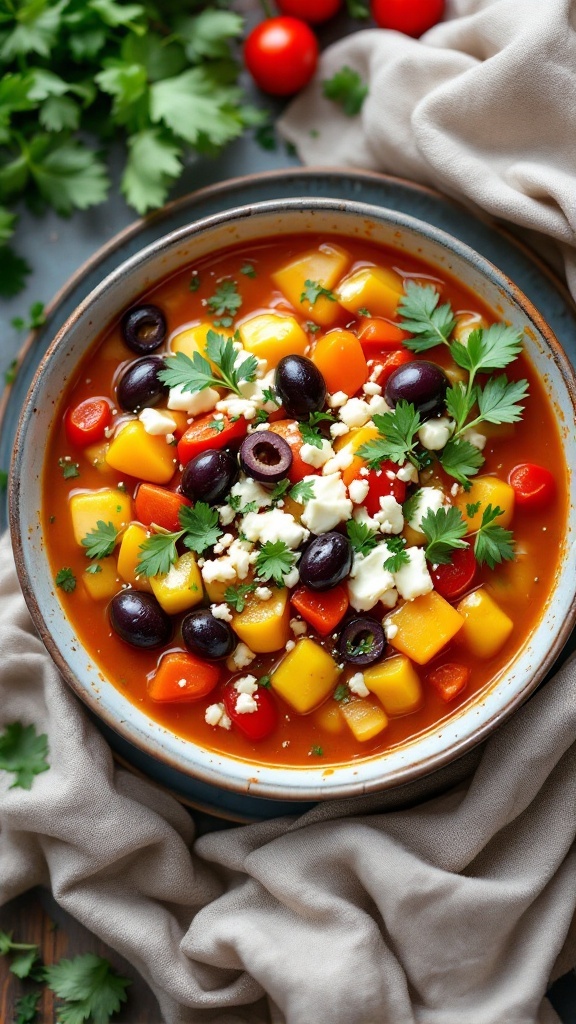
103, 583
488, 490
108, 505
324, 266
181, 587
396, 684
264, 626
305, 676
425, 625
328, 717
143, 455
364, 719
486, 627
215, 589
374, 288
128, 555
271, 337
96, 456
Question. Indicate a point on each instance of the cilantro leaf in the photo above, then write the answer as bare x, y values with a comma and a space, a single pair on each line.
194, 374
26, 1008
226, 299
302, 491
493, 544
23, 752
398, 437
236, 596
361, 537
342, 693
313, 290
26, 964
208, 33
461, 460
398, 557
347, 89
248, 270
487, 349
196, 107
421, 316
66, 580
14, 272
358, 9
443, 530
310, 433
68, 175
154, 163
410, 506
100, 541
89, 987
158, 553
70, 470
200, 525
94, 568
460, 401
275, 560
499, 401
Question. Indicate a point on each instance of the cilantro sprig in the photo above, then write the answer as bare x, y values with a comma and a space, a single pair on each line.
200, 530
89, 988
236, 596
398, 556
313, 290
444, 530
493, 543
347, 89
361, 537
274, 561
24, 957
398, 440
225, 369
101, 541
310, 432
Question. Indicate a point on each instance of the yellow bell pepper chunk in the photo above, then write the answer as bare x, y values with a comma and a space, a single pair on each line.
364, 719
425, 625
181, 587
351, 443
128, 556
486, 627
488, 490
103, 584
191, 340
271, 337
215, 589
324, 266
108, 505
143, 455
264, 626
396, 684
306, 676
375, 288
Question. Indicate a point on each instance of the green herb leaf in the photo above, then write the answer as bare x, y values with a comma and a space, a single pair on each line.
399, 557
200, 525
66, 580
265, 681
100, 541
487, 349
499, 401
248, 270
226, 299
275, 560
89, 987
236, 596
302, 491
347, 89
194, 374
15, 270
313, 290
70, 469
26, 1008
94, 568
158, 553
361, 537
363, 646
398, 437
342, 693
493, 544
316, 751
23, 753
310, 433
471, 510
443, 530
154, 163
421, 316
410, 506
461, 460
358, 9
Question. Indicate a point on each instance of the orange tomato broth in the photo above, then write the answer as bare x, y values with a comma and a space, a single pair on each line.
520, 587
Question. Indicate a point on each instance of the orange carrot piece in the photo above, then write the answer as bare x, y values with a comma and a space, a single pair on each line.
379, 333
183, 677
341, 360
322, 609
154, 504
449, 679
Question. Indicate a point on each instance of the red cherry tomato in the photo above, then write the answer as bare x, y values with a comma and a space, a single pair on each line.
390, 361
85, 423
281, 54
201, 435
452, 580
413, 17
313, 11
534, 486
256, 725
380, 485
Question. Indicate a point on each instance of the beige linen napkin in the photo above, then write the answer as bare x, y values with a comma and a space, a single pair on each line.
453, 912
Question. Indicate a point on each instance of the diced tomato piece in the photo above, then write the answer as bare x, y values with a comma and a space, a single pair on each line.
202, 435
378, 333
323, 609
534, 486
390, 361
86, 422
454, 578
449, 680
288, 429
380, 485
256, 725
183, 677
157, 505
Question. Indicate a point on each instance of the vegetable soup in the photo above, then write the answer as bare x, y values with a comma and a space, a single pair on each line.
305, 501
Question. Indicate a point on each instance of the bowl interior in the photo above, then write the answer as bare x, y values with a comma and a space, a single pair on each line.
425, 752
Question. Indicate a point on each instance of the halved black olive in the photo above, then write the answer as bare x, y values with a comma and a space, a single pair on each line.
265, 456
300, 385
144, 328
209, 476
326, 561
138, 618
361, 641
207, 636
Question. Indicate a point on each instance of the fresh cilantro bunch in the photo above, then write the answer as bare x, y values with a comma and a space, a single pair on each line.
75, 76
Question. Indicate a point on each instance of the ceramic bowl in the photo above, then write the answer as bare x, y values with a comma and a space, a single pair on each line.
232, 787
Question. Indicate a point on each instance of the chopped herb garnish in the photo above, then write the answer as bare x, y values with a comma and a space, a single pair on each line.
342, 693
275, 560
11, 373
265, 681
26, 1008
94, 568
461, 460
235, 502
158, 553
66, 580
196, 373
312, 327
493, 544
226, 299
269, 395
260, 417
399, 556
398, 437
302, 491
248, 270
313, 290
364, 312
316, 751
471, 510
217, 425
236, 596
310, 433
361, 537
410, 506
23, 752
100, 541
195, 281
444, 530
347, 89
363, 646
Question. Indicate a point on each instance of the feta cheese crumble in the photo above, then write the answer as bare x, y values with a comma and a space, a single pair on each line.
434, 434
357, 685
273, 526
184, 401
329, 506
215, 714
413, 579
316, 457
221, 611
156, 422
369, 582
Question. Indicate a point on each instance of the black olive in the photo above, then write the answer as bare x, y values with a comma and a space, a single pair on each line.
326, 561
139, 385
361, 641
421, 383
207, 636
300, 385
139, 620
209, 476
265, 456
144, 329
